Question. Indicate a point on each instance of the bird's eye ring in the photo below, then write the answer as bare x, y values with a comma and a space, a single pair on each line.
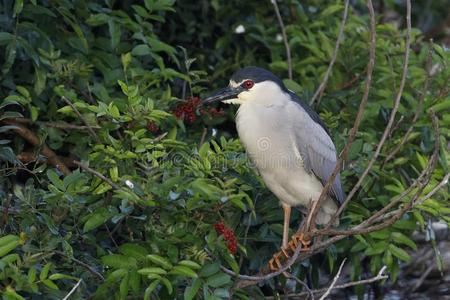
248, 84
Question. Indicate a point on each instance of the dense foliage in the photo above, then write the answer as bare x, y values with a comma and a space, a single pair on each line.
165, 194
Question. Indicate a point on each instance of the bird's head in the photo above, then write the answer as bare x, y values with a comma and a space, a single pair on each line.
247, 85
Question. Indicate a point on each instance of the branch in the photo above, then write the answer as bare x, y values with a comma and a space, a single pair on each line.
91, 131
58, 125
83, 264
319, 92
378, 277
97, 174
285, 39
31, 138
268, 276
73, 290
29, 157
418, 109
387, 130
334, 281
365, 227
440, 185
370, 66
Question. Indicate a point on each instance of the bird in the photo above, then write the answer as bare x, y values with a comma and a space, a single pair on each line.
286, 141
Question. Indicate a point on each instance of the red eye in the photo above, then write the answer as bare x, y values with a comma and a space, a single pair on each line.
248, 84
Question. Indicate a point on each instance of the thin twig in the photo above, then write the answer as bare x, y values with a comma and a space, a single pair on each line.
333, 283
73, 290
59, 125
438, 186
365, 227
83, 264
302, 283
285, 39
370, 66
422, 278
418, 109
203, 136
391, 118
97, 174
378, 277
91, 131
319, 92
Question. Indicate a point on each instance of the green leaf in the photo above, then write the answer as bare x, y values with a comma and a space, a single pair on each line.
399, 253
18, 6
4, 240
400, 238
210, 269
57, 276
191, 291
168, 285
219, 279
31, 275
44, 272
183, 271
124, 287
98, 217
150, 289
133, 250
119, 261
159, 260
54, 178
6, 248
141, 50
152, 270
189, 263
50, 284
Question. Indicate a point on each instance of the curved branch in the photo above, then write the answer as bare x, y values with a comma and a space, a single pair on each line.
387, 130
370, 66
319, 92
285, 39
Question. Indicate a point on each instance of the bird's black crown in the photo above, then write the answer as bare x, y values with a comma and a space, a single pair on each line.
257, 75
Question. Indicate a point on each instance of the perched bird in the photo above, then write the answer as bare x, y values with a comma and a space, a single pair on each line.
286, 141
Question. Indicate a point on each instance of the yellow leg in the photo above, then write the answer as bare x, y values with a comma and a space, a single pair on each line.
287, 217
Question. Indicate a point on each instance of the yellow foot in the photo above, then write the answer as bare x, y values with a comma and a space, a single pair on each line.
282, 256
300, 238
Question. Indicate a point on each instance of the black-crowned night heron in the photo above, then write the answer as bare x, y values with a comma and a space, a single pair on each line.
286, 141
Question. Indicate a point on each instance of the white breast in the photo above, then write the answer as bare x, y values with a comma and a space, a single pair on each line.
268, 140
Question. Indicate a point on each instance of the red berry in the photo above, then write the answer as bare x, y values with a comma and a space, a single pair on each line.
152, 127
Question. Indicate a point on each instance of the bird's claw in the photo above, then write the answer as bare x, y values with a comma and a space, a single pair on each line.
280, 257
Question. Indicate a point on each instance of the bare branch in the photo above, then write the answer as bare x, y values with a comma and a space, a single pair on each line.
91, 131
438, 186
83, 264
302, 283
370, 66
97, 174
380, 276
285, 39
58, 125
333, 283
319, 92
422, 182
73, 290
31, 138
387, 130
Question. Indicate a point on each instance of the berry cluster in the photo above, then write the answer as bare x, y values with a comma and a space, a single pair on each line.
152, 126
229, 236
186, 111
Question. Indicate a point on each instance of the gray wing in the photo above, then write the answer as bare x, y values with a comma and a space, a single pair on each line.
317, 151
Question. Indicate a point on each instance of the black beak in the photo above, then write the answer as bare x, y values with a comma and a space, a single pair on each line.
223, 94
